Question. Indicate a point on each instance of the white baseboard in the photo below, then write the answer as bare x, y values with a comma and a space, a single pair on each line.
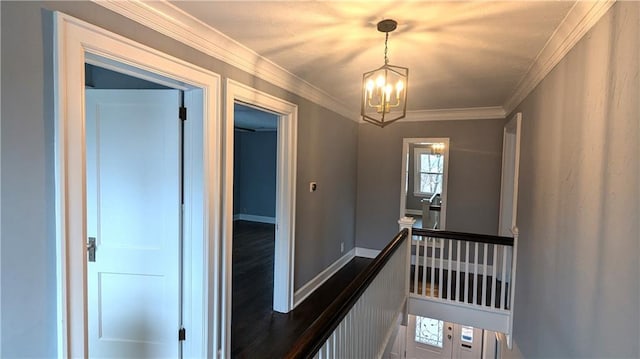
254, 218
309, 287
366, 252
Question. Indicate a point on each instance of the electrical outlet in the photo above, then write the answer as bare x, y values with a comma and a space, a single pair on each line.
341, 247
313, 186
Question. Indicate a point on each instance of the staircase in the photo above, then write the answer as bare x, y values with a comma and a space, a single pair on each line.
451, 276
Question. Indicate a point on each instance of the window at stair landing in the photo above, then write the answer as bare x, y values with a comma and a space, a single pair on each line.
429, 331
429, 169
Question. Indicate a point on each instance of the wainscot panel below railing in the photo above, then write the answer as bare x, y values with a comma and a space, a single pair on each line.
360, 321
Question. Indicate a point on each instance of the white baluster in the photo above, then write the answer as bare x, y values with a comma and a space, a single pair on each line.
458, 281
449, 258
484, 276
494, 297
466, 275
415, 267
425, 249
475, 275
503, 287
433, 267
441, 264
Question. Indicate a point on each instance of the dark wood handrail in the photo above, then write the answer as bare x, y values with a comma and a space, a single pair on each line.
469, 237
320, 330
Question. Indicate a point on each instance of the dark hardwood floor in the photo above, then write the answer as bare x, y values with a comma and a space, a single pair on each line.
257, 331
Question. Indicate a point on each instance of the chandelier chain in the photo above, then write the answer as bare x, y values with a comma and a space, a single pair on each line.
386, 39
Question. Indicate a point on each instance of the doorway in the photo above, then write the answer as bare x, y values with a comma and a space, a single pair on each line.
134, 197
254, 218
285, 194
76, 44
428, 338
423, 195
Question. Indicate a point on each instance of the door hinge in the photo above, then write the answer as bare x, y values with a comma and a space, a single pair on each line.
183, 113
182, 334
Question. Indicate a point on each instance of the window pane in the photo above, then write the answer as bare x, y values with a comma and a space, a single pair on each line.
467, 334
431, 163
429, 331
430, 183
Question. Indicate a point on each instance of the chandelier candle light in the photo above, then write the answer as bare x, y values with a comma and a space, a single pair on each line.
384, 90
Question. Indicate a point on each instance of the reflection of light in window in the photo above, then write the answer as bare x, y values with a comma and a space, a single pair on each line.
467, 334
429, 331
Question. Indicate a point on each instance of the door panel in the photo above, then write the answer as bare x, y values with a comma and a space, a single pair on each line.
441, 343
133, 211
452, 341
467, 342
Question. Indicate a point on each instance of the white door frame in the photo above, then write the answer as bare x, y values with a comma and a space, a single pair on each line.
445, 176
510, 174
509, 201
285, 198
77, 42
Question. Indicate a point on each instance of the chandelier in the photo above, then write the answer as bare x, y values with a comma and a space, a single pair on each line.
384, 90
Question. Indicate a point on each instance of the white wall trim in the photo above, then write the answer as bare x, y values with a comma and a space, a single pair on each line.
455, 114
366, 252
73, 41
171, 21
254, 218
579, 20
308, 288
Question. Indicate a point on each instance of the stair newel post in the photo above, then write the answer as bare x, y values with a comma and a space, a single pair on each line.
407, 222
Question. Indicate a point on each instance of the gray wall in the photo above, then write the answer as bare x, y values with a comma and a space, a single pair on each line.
578, 291
473, 191
254, 183
327, 145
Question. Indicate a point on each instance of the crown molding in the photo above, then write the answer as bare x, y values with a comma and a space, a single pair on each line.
171, 21
579, 20
453, 114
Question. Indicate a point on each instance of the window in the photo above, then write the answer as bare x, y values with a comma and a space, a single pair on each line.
429, 331
466, 334
428, 170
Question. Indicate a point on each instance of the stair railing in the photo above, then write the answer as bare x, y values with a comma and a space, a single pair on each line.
360, 321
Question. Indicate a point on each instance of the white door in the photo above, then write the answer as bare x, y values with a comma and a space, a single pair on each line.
133, 212
467, 342
428, 338
510, 169
435, 339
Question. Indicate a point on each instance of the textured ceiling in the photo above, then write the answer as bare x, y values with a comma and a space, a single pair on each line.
460, 54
